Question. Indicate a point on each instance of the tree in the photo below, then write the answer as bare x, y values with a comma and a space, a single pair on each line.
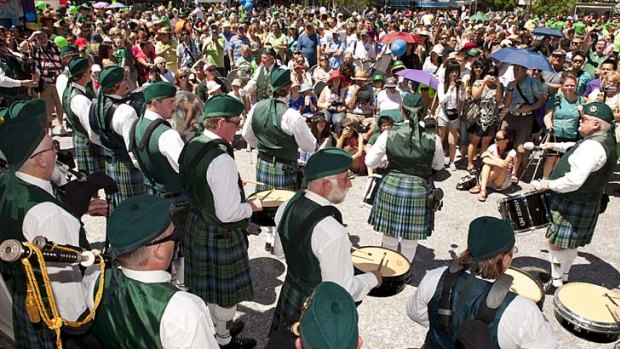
552, 7
496, 5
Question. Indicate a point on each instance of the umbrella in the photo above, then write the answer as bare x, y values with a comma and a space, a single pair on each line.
419, 76
407, 37
548, 32
479, 17
100, 4
524, 58
117, 5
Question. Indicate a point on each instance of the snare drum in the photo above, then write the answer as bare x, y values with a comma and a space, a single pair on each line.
527, 211
371, 189
271, 200
584, 309
526, 286
395, 270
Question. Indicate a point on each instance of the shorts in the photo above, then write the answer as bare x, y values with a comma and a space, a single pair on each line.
505, 185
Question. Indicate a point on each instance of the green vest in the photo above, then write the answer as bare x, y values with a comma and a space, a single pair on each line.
593, 188
411, 151
263, 84
132, 317
70, 93
158, 173
266, 124
193, 174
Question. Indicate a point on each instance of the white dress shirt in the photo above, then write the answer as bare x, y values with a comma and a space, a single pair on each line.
292, 123
587, 158
223, 177
61, 84
170, 142
332, 247
252, 84
59, 226
80, 106
378, 153
8, 82
521, 325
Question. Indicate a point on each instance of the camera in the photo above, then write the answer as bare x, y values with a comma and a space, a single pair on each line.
606, 89
361, 128
459, 82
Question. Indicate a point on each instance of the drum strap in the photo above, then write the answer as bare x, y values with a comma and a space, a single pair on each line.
147, 134
313, 219
445, 302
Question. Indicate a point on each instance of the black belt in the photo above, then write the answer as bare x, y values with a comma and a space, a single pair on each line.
270, 158
173, 195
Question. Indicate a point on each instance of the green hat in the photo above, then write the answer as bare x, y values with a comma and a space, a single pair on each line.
398, 64
110, 76
378, 77
489, 236
159, 90
280, 78
413, 102
83, 7
221, 105
137, 221
20, 135
182, 14
327, 162
68, 50
78, 66
599, 110
474, 52
331, 319
268, 51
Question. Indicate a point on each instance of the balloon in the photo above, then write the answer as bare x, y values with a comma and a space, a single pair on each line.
60, 41
399, 47
242, 2
41, 5
248, 6
73, 10
31, 17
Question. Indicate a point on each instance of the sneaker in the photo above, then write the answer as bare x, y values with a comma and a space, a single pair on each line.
452, 167
237, 327
60, 131
240, 343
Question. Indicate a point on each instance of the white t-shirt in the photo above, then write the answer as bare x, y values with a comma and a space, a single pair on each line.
492, 149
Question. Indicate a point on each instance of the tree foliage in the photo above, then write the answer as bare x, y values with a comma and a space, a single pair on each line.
496, 5
552, 7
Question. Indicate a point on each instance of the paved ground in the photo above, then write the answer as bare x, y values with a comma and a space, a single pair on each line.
383, 321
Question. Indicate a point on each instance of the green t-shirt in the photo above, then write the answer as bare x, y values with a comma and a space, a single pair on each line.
120, 54
216, 55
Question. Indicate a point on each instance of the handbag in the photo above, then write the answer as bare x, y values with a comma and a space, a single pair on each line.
452, 114
471, 111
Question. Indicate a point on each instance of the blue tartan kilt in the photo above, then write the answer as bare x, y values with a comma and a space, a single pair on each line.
217, 266
88, 156
277, 175
289, 307
572, 222
29, 335
401, 207
129, 179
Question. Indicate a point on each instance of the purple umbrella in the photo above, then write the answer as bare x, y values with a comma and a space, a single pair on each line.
419, 76
100, 4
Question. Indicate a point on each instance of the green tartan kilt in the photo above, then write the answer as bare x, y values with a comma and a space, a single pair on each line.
29, 335
88, 156
217, 266
289, 307
129, 179
572, 222
401, 207
276, 175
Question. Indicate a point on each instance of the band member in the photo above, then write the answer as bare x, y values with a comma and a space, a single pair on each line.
29, 208
402, 208
67, 53
316, 245
262, 78
517, 321
141, 309
76, 101
111, 120
578, 184
217, 266
278, 132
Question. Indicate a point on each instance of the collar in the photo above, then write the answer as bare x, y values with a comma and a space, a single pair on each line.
78, 86
317, 198
115, 96
151, 115
41, 183
147, 276
210, 134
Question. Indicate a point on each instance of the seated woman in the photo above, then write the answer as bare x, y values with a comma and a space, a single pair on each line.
498, 163
384, 123
320, 130
309, 101
331, 100
353, 142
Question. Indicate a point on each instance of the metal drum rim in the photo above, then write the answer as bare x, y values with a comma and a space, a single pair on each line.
586, 324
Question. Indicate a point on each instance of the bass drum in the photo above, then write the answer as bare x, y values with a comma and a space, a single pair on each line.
186, 114
395, 269
271, 199
586, 310
526, 286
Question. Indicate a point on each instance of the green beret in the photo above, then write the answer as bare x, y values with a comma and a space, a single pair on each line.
331, 319
78, 65
221, 105
280, 78
159, 90
20, 135
327, 162
413, 102
137, 221
489, 236
68, 50
268, 51
110, 76
599, 110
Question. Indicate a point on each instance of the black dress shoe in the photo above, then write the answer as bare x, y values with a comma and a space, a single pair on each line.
268, 247
240, 343
549, 288
236, 328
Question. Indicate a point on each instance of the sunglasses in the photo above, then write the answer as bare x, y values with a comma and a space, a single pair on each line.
175, 236
577, 61
230, 121
211, 69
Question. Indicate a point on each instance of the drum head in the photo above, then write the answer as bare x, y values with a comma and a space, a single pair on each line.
367, 259
588, 301
272, 198
524, 285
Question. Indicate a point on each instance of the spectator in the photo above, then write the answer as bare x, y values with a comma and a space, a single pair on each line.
309, 103
352, 142
389, 98
583, 78
451, 96
331, 100
164, 73
181, 81
309, 44
498, 162
237, 43
321, 72
166, 47
187, 52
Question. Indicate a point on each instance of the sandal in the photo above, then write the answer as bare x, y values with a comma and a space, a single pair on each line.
476, 189
514, 179
483, 196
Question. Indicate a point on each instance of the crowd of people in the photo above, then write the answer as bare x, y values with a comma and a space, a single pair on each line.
156, 98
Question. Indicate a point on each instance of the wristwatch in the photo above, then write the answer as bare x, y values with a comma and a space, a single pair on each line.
511, 89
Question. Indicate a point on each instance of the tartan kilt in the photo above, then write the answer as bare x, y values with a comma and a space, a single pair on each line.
276, 175
129, 179
29, 335
217, 266
288, 310
88, 156
401, 207
572, 222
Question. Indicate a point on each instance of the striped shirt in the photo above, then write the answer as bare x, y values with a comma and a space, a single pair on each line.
47, 62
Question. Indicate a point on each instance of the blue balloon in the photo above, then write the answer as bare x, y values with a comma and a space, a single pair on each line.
242, 2
249, 6
399, 47
30, 17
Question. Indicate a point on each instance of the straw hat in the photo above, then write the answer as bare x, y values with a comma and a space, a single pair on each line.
360, 75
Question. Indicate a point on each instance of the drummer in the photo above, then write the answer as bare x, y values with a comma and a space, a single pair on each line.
518, 323
319, 249
578, 184
217, 266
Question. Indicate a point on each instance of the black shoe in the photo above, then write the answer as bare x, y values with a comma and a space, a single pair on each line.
237, 327
544, 276
240, 343
549, 288
268, 247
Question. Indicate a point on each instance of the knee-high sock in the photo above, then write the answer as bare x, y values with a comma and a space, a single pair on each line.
178, 266
557, 259
222, 319
270, 235
390, 242
571, 254
408, 248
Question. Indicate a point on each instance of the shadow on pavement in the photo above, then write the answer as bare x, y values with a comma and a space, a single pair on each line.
424, 261
266, 270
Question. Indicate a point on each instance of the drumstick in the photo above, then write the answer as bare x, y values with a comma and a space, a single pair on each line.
368, 259
611, 299
254, 182
382, 259
268, 193
355, 249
